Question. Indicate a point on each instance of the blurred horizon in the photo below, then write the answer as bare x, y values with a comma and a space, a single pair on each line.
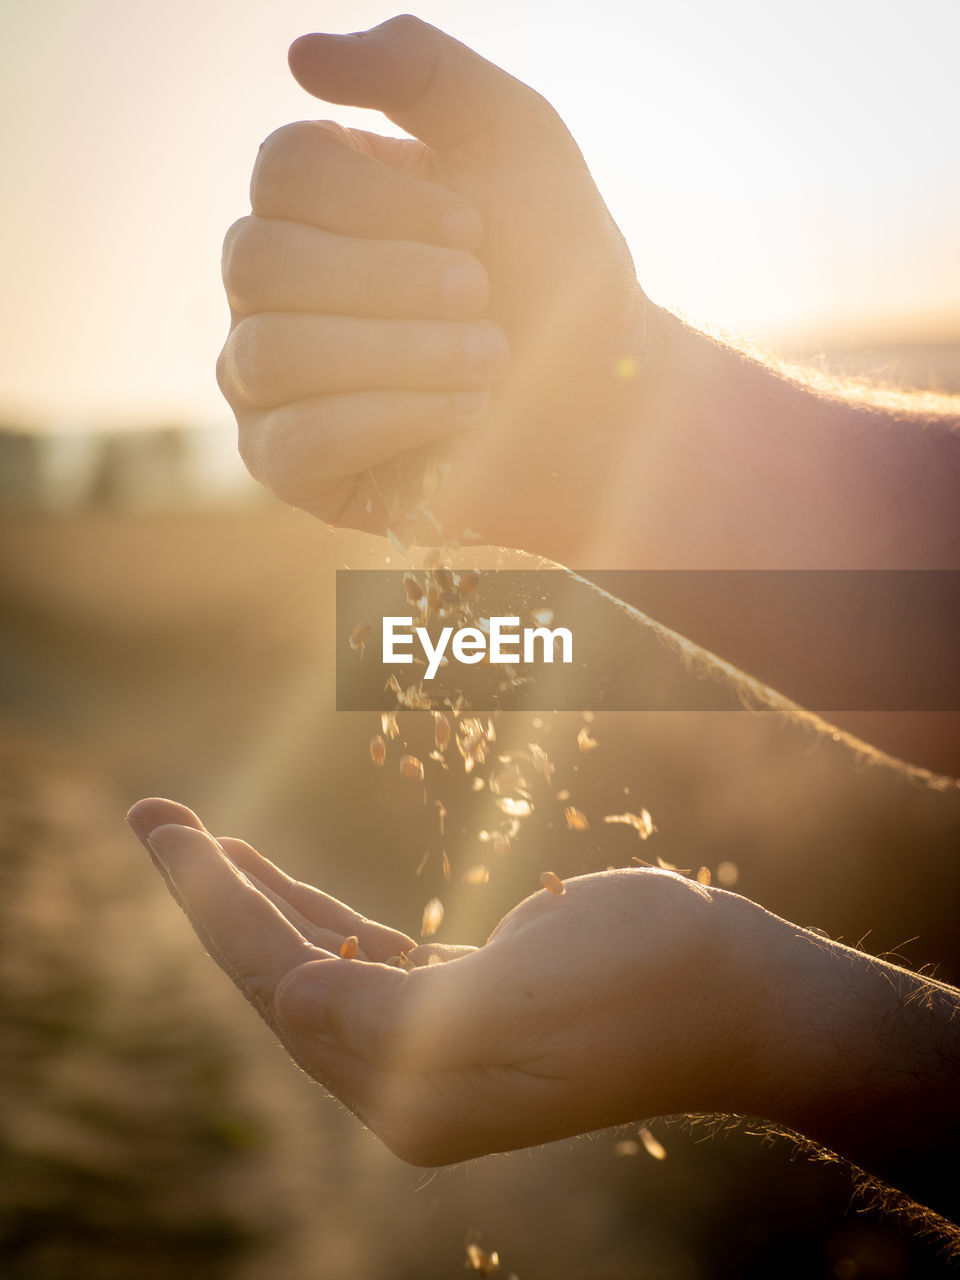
157, 463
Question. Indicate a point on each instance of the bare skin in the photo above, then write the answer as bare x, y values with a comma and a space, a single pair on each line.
331, 375
633, 993
468, 290
466, 295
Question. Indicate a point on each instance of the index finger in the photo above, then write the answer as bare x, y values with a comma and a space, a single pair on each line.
377, 940
311, 173
251, 940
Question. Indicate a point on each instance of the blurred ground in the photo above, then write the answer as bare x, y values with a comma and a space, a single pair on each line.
152, 1128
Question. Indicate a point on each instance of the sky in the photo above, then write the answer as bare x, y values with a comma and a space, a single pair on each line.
786, 171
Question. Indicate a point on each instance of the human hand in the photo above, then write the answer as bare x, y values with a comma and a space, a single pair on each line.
389, 295
634, 993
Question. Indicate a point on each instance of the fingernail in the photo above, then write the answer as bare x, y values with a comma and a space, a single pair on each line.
136, 826
155, 850
464, 287
461, 228
164, 840
486, 351
470, 406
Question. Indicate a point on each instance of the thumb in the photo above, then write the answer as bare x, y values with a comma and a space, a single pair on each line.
422, 1020
429, 84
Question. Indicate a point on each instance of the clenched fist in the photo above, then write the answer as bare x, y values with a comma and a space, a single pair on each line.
463, 294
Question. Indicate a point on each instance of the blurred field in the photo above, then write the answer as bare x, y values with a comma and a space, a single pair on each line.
151, 1126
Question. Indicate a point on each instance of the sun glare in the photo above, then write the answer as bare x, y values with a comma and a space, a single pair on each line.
765, 173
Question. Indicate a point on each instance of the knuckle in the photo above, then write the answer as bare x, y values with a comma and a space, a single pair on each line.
290, 151
542, 110
274, 444
224, 377
284, 456
283, 450
230, 371
405, 24
251, 360
286, 142
249, 261
278, 163
250, 448
542, 120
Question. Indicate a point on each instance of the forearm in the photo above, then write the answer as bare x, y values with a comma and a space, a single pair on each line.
738, 466
864, 1058
735, 465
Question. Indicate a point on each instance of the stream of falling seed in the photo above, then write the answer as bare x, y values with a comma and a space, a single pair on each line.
515, 779
438, 590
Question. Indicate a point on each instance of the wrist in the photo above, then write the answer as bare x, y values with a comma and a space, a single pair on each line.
861, 1055
765, 1027
661, 508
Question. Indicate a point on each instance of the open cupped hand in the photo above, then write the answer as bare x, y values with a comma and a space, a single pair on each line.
632, 994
